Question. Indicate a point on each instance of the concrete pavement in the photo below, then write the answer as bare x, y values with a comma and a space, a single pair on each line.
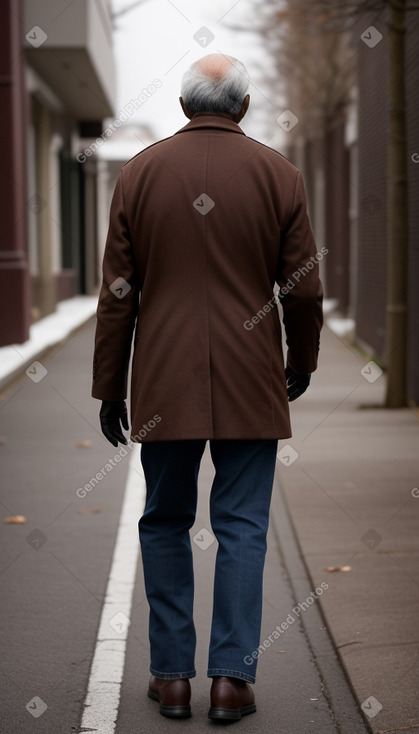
353, 498
54, 568
343, 496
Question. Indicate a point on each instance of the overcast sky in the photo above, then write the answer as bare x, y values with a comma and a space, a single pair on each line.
156, 41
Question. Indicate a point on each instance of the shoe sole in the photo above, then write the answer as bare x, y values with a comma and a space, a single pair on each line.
217, 712
171, 712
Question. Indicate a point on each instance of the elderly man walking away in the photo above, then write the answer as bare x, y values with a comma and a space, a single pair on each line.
202, 226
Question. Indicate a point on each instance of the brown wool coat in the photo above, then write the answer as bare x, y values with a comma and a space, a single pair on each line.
202, 224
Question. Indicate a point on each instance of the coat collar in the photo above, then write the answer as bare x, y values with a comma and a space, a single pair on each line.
211, 120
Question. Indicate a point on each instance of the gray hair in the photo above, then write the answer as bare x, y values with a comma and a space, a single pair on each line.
202, 92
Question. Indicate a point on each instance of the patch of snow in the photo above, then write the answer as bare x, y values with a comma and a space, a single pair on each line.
50, 330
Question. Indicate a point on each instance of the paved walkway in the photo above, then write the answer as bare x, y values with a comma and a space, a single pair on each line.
353, 496
346, 482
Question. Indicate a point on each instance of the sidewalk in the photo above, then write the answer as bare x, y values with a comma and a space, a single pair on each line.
62, 567
349, 478
353, 499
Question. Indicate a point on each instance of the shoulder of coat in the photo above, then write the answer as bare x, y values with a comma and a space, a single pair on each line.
275, 152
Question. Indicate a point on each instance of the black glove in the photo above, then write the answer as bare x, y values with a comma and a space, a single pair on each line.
297, 383
112, 414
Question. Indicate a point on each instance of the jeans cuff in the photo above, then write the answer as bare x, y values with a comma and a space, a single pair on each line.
172, 676
212, 672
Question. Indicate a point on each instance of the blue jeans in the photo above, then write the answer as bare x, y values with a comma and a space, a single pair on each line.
239, 512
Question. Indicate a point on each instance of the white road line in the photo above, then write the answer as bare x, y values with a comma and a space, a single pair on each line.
104, 687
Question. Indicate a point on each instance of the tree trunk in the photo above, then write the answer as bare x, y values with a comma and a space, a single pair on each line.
396, 396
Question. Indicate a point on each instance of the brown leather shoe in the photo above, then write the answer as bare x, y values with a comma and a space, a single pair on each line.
173, 695
231, 698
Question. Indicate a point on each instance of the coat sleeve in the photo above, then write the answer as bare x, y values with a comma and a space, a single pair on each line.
301, 292
117, 308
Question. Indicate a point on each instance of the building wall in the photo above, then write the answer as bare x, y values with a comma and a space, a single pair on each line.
412, 87
14, 272
58, 72
370, 311
347, 186
372, 271
336, 211
315, 182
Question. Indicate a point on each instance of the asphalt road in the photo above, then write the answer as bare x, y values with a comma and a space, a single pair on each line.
54, 571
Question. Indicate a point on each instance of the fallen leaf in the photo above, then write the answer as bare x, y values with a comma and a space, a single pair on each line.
88, 510
3, 440
332, 569
15, 520
86, 444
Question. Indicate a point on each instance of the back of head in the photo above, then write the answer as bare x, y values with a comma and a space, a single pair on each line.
215, 83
